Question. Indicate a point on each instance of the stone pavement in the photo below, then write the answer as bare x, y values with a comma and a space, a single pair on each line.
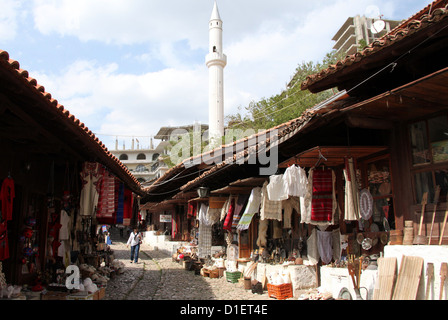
158, 277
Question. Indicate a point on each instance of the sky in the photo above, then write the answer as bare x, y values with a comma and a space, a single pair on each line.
128, 67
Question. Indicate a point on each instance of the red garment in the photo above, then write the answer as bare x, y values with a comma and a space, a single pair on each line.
322, 202
192, 207
127, 204
7, 195
229, 218
4, 248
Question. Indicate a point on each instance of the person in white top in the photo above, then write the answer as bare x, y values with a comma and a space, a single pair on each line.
135, 239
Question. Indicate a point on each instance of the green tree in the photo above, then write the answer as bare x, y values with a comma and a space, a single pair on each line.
288, 105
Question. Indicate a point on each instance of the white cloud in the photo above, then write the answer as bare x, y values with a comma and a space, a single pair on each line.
264, 42
9, 13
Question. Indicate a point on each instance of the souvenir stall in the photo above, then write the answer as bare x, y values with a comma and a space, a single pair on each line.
104, 200
207, 240
74, 235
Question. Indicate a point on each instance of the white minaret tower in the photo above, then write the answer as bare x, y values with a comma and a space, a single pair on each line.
216, 60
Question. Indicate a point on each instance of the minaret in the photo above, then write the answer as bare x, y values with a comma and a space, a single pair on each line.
216, 60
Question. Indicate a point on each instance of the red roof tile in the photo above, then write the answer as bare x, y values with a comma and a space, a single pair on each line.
84, 131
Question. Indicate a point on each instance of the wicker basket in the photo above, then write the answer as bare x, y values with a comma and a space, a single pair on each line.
280, 292
233, 277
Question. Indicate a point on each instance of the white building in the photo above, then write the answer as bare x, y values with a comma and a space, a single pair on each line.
357, 30
144, 163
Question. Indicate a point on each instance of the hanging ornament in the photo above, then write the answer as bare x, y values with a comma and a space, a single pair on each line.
28, 233
365, 204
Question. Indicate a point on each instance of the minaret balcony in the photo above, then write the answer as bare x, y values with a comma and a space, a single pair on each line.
216, 58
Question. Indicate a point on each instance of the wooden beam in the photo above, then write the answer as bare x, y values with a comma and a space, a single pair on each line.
368, 123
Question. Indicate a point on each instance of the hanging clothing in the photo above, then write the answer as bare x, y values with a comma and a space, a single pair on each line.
229, 217
277, 188
4, 247
253, 207
269, 209
7, 194
90, 176
262, 233
296, 181
325, 245
240, 205
64, 231
336, 235
290, 205
351, 199
305, 201
312, 249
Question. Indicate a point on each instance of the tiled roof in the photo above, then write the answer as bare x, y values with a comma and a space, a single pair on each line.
69, 119
431, 14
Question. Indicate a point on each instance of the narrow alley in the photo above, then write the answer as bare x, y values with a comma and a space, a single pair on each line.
157, 277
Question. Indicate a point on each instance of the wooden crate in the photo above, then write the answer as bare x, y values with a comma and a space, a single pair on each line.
280, 292
54, 295
99, 294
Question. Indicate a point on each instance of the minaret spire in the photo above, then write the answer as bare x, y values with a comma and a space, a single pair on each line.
216, 61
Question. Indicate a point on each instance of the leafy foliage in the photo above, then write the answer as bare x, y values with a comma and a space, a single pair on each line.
288, 105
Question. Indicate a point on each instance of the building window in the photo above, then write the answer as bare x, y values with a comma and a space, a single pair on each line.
141, 156
141, 168
124, 157
155, 156
429, 147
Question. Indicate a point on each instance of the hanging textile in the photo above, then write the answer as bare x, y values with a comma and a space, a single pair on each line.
4, 247
253, 207
277, 188
213, 215
191, 210
106, 199
351, 210
225, 208
322, 204
262, 233
127, 203
205, 240
203, 214
296, 181
229, 217
7, 195
305, 201
90, 176
120, 205
269, 209
239, 209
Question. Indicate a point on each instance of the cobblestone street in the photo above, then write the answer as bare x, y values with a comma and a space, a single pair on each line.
157, 277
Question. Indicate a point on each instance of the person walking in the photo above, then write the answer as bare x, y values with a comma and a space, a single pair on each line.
135, 239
